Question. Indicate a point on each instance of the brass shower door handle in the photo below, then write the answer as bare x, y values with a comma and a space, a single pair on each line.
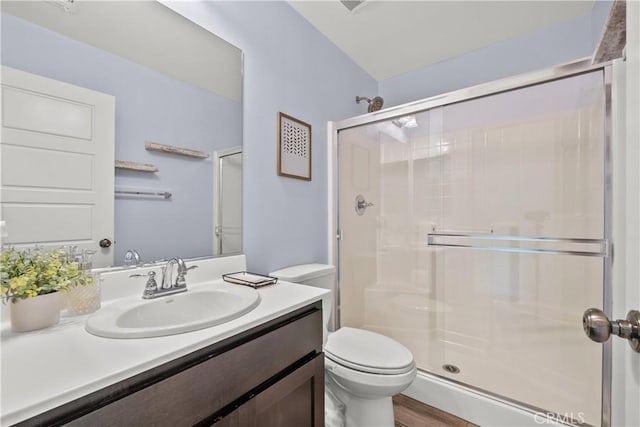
599, 328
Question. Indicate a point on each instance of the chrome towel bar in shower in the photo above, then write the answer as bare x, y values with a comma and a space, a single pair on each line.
521, 244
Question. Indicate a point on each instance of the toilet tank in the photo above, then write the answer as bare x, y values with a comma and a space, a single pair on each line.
317, 275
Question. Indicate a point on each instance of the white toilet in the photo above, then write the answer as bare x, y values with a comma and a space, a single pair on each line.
364, 369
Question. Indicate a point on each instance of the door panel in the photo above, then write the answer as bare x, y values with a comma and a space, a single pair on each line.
57, 157
50, 223
625, 387
43, 168
35, 112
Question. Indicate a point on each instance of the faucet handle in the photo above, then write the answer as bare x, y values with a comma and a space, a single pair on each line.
180, 280
151, 287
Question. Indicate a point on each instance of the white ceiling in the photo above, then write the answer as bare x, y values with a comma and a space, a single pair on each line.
145, 32
390, 37
384, 37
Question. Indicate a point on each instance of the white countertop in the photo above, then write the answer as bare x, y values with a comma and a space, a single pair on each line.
47, 368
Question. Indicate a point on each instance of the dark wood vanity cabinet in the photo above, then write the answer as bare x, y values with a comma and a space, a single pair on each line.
295, 400
270, 375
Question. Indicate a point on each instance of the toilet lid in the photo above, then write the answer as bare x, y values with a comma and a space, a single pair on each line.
368, 352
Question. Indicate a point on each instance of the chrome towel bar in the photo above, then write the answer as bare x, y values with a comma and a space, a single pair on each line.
537, 245
163, 194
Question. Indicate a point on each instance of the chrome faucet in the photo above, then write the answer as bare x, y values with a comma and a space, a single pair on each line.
167, 274
152, 290
131, 257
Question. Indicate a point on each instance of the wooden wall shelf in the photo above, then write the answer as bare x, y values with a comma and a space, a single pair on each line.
154, 146
142, 167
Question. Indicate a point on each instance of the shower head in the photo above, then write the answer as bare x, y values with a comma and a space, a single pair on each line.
375, 104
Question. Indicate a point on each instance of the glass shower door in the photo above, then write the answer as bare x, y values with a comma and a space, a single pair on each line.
486, 240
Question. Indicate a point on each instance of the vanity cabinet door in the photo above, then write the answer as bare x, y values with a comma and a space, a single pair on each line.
295, 400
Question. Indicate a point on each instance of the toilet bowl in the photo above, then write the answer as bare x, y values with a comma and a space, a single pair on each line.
363, 368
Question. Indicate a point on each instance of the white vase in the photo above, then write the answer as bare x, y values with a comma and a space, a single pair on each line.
35, 313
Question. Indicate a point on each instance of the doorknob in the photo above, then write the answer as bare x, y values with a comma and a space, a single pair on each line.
599, 328
104, 243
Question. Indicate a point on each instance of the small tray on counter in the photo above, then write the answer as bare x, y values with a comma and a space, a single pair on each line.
246, 278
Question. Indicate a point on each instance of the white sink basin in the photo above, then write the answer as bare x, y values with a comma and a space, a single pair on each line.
201, 307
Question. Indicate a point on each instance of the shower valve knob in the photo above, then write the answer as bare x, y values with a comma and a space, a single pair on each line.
361, 204
599, 328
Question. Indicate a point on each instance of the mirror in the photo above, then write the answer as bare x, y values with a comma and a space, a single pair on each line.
174, 84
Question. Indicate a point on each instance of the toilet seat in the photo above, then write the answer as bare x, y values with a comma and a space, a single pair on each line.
368, 352
365, 382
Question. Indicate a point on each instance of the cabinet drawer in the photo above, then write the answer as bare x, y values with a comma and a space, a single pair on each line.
198, 391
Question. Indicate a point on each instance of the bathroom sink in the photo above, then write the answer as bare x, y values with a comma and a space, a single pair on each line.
201, 307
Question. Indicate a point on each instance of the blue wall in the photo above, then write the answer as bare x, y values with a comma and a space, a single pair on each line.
560, 43
290, 67
149, 107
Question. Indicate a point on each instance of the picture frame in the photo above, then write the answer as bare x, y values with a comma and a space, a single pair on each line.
294, 147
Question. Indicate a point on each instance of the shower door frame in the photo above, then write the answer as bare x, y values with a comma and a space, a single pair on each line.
520, 81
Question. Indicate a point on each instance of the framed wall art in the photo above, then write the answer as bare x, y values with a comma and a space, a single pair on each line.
294, 147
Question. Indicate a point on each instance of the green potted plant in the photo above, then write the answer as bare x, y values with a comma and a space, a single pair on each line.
31, 281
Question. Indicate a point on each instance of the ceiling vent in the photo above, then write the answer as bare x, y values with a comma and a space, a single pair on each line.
352, 4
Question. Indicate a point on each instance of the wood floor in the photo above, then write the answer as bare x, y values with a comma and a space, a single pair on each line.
412, 413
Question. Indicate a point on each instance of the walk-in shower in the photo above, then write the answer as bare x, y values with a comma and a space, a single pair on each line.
474, 228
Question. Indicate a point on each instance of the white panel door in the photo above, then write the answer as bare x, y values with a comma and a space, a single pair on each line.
626, 287
57, 157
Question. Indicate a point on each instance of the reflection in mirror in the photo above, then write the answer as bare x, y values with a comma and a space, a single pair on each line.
173, 83
229, 201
